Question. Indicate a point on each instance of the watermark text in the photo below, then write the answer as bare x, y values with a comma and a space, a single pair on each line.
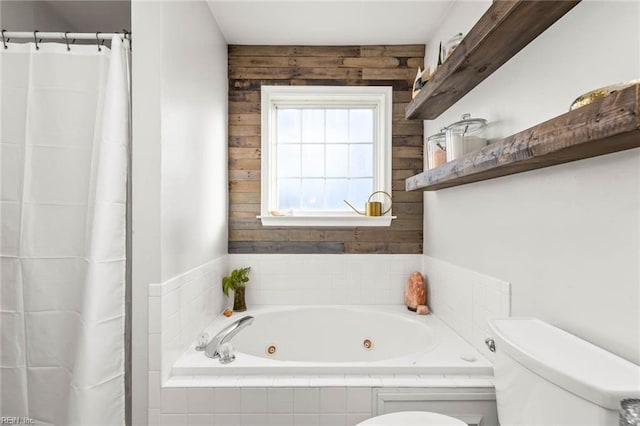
8, 420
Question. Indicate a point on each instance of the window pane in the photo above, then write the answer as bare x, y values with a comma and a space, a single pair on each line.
337, 161
337, 192
337, 125
361, 160
361, 125
312, 125
323, 149
288, 125
312, 194
288, 194
288, 161
312, 160
359, 191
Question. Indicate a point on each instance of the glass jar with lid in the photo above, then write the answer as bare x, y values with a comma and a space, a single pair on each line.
436, 149
465, 136
451, 44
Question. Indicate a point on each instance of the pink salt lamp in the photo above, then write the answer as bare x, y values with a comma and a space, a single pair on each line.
415, 294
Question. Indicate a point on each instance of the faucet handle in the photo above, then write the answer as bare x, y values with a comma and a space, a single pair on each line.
203, 339
226, 353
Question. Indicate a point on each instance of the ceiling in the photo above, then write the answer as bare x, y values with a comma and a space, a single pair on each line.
267, 22
328, 22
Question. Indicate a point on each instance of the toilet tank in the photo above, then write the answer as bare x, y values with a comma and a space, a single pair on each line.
545, 376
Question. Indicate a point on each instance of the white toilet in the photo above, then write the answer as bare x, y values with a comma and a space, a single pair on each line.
412, 418
545, 376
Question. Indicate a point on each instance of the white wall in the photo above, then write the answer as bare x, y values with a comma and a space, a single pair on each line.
194, 139
20, 15
179, 156
565, 237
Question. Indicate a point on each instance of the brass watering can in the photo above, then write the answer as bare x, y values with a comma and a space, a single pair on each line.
373, 208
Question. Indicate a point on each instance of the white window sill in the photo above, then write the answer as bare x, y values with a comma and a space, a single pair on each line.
335, 221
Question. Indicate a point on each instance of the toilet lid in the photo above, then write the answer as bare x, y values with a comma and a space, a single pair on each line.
412, 418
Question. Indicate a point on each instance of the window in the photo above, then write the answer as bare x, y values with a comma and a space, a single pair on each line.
322, 145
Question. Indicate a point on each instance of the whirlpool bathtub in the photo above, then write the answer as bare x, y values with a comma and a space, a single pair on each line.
317, 340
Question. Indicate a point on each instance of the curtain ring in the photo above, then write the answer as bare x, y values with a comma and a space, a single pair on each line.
66, 40
98, 42
4, 41
127, 37
35, 39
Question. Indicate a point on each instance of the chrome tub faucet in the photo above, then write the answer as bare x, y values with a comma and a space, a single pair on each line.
213, 347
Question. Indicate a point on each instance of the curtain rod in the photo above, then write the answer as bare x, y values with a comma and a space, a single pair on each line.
43, 35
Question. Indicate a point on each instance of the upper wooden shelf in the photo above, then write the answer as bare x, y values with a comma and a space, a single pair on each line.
505, 29
609, 125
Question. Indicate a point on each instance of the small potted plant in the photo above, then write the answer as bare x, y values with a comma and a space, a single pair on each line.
236, 281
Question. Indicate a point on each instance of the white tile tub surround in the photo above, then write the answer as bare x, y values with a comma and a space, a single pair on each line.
278, 400
264, 406
245, 401
326, 279
179, 309
465, 299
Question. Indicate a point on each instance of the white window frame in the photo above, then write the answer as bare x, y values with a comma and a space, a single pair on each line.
378, 97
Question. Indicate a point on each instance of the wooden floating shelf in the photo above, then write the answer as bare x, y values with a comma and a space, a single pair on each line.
608, 125
505, 29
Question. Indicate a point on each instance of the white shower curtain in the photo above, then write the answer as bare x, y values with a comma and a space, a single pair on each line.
65, 136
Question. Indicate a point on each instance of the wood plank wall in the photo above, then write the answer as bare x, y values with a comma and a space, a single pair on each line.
250, 67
